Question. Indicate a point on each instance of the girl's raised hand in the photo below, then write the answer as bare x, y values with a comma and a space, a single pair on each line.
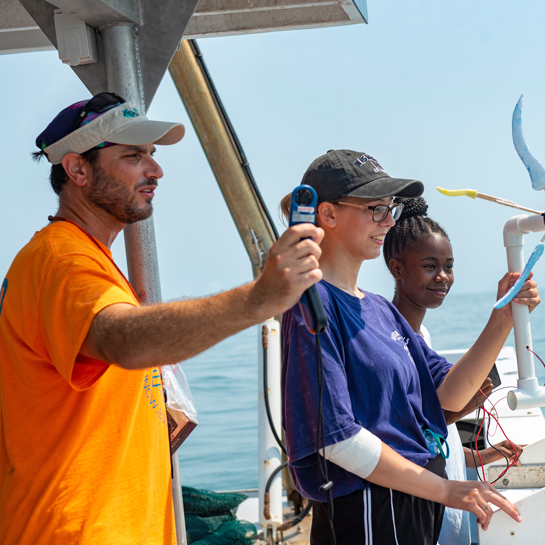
528, 294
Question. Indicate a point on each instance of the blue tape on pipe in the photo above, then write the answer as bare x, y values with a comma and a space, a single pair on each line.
534, 258
532, 164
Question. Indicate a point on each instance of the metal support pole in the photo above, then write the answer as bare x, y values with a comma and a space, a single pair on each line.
124, 78
210, 127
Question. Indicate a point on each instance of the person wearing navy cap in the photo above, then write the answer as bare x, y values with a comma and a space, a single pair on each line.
365, 432
84, 442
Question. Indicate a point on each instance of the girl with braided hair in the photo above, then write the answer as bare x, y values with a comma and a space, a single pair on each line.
418, 253
382, 392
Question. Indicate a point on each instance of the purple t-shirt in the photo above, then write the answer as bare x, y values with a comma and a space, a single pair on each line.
377, 376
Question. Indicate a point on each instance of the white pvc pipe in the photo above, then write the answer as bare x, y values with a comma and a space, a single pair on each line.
269, 453
528, 393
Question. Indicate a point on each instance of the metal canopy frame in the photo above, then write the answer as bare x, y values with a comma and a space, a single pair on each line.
232, 17
154, 42
20, 33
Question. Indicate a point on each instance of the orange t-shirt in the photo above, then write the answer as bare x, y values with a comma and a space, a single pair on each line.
84, 448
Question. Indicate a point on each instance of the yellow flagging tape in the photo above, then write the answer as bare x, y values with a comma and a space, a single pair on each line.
458, 192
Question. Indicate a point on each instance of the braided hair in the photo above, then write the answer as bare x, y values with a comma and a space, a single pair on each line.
411, 229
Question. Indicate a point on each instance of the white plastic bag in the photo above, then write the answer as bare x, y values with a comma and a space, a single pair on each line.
181, 411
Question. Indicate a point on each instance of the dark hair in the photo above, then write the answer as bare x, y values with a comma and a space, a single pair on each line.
58, 176
412, 228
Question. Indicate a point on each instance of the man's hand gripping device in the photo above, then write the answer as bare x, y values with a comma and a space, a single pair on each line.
304, 203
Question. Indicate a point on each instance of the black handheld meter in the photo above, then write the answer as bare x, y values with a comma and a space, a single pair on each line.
494, 376
304, 203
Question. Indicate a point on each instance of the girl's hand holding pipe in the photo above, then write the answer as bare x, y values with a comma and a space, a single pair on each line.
468, 373
528, 294
475, 498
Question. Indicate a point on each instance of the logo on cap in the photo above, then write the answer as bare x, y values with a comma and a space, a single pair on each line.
130, 113
364, 158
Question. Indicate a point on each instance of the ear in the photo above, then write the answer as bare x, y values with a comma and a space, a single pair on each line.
77, 168
327, 214
396, 268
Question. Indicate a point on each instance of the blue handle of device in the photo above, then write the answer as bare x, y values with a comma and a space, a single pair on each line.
510, 295
304, 211
313, 311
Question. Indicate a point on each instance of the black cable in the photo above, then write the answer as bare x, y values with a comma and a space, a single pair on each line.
478, 409
305, 511
499, 451
320, 433
291, 523
232, 134
296, 520
274, 474
486, 433
267, 404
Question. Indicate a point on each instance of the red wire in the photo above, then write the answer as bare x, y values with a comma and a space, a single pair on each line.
493, 407
477, 446
496, 419
496, 412
488, 399
494, 404
530, 350
505, 435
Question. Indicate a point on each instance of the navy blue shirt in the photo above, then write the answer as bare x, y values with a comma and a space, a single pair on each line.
378, 376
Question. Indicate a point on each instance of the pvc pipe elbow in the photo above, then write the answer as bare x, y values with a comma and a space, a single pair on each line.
517, 226
520, 399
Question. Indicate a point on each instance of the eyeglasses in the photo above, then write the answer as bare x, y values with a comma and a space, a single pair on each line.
380, 211
96, 104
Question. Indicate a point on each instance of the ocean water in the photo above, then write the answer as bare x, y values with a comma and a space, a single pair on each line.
221, 453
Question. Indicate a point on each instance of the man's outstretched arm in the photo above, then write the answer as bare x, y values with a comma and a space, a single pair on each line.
162, 334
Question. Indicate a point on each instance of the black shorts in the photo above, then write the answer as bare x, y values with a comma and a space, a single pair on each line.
380, 516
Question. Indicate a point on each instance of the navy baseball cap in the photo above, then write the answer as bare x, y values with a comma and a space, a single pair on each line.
104, 120
347, 173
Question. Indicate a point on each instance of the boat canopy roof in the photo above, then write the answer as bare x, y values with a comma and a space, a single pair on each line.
19, 32
82, 30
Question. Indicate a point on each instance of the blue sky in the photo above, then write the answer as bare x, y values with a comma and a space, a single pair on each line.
428, 88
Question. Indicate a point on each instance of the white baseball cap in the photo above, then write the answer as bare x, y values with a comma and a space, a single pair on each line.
104, 120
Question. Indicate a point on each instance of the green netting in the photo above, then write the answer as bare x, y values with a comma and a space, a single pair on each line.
210, 520
206, 503
233, 532
198, 527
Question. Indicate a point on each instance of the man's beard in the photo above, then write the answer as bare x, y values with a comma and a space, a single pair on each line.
116, 199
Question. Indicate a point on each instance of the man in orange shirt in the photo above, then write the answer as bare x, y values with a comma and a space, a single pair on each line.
84, 448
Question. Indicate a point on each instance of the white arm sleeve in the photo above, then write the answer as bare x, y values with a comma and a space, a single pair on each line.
359, 454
